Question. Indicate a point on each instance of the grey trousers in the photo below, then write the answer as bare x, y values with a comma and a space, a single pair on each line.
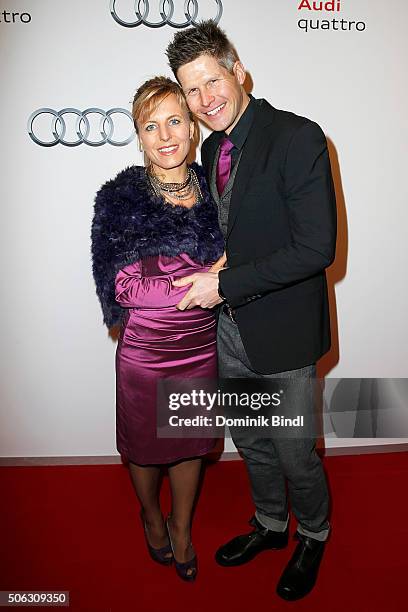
276, 462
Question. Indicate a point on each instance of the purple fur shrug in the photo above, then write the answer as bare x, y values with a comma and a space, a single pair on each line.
130, 223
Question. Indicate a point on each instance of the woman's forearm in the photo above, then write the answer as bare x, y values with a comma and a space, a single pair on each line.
219, 264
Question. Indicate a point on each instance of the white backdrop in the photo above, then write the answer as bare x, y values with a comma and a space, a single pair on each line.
58, 359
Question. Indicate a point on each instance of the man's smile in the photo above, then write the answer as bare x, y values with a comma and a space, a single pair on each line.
215, 110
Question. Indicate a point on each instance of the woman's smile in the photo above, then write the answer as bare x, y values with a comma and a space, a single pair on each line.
168, 149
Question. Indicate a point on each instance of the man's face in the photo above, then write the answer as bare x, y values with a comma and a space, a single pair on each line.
213, 94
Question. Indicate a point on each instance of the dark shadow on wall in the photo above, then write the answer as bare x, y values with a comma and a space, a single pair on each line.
337, 271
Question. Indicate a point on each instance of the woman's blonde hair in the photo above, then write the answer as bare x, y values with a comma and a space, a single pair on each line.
149, 95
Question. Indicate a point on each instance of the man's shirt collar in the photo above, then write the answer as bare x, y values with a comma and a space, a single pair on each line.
240, 132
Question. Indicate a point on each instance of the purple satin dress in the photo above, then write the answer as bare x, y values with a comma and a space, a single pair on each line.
158, 341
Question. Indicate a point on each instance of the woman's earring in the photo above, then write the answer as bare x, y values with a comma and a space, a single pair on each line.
140, 147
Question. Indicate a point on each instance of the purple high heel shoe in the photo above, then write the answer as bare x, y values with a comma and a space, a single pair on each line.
186, 571
160, 555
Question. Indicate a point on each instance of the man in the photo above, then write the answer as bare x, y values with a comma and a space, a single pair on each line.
269, 173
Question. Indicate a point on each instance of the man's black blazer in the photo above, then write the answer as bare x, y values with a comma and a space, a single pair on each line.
281, 236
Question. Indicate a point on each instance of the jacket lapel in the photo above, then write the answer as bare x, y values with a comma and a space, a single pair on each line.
257, 141
213, 178
208, 154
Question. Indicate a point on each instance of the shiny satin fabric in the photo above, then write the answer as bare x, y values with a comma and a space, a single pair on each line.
158, 341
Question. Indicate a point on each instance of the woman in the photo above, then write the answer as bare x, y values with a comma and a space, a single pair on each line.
154, 224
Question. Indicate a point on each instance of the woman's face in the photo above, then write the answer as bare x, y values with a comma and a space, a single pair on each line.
165, 135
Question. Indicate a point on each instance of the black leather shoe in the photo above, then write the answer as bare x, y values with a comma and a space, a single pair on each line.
245, 547
300, 574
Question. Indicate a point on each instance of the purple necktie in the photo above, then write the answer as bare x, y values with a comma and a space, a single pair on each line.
224, 164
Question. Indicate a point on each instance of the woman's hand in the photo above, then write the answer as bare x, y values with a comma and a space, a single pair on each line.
219, 264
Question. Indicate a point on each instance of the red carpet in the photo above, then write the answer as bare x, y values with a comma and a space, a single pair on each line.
76, 528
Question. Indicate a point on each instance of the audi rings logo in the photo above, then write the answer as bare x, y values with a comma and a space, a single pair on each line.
142, 11
63, 130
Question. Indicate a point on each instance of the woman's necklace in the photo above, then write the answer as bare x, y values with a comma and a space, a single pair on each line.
179, 191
